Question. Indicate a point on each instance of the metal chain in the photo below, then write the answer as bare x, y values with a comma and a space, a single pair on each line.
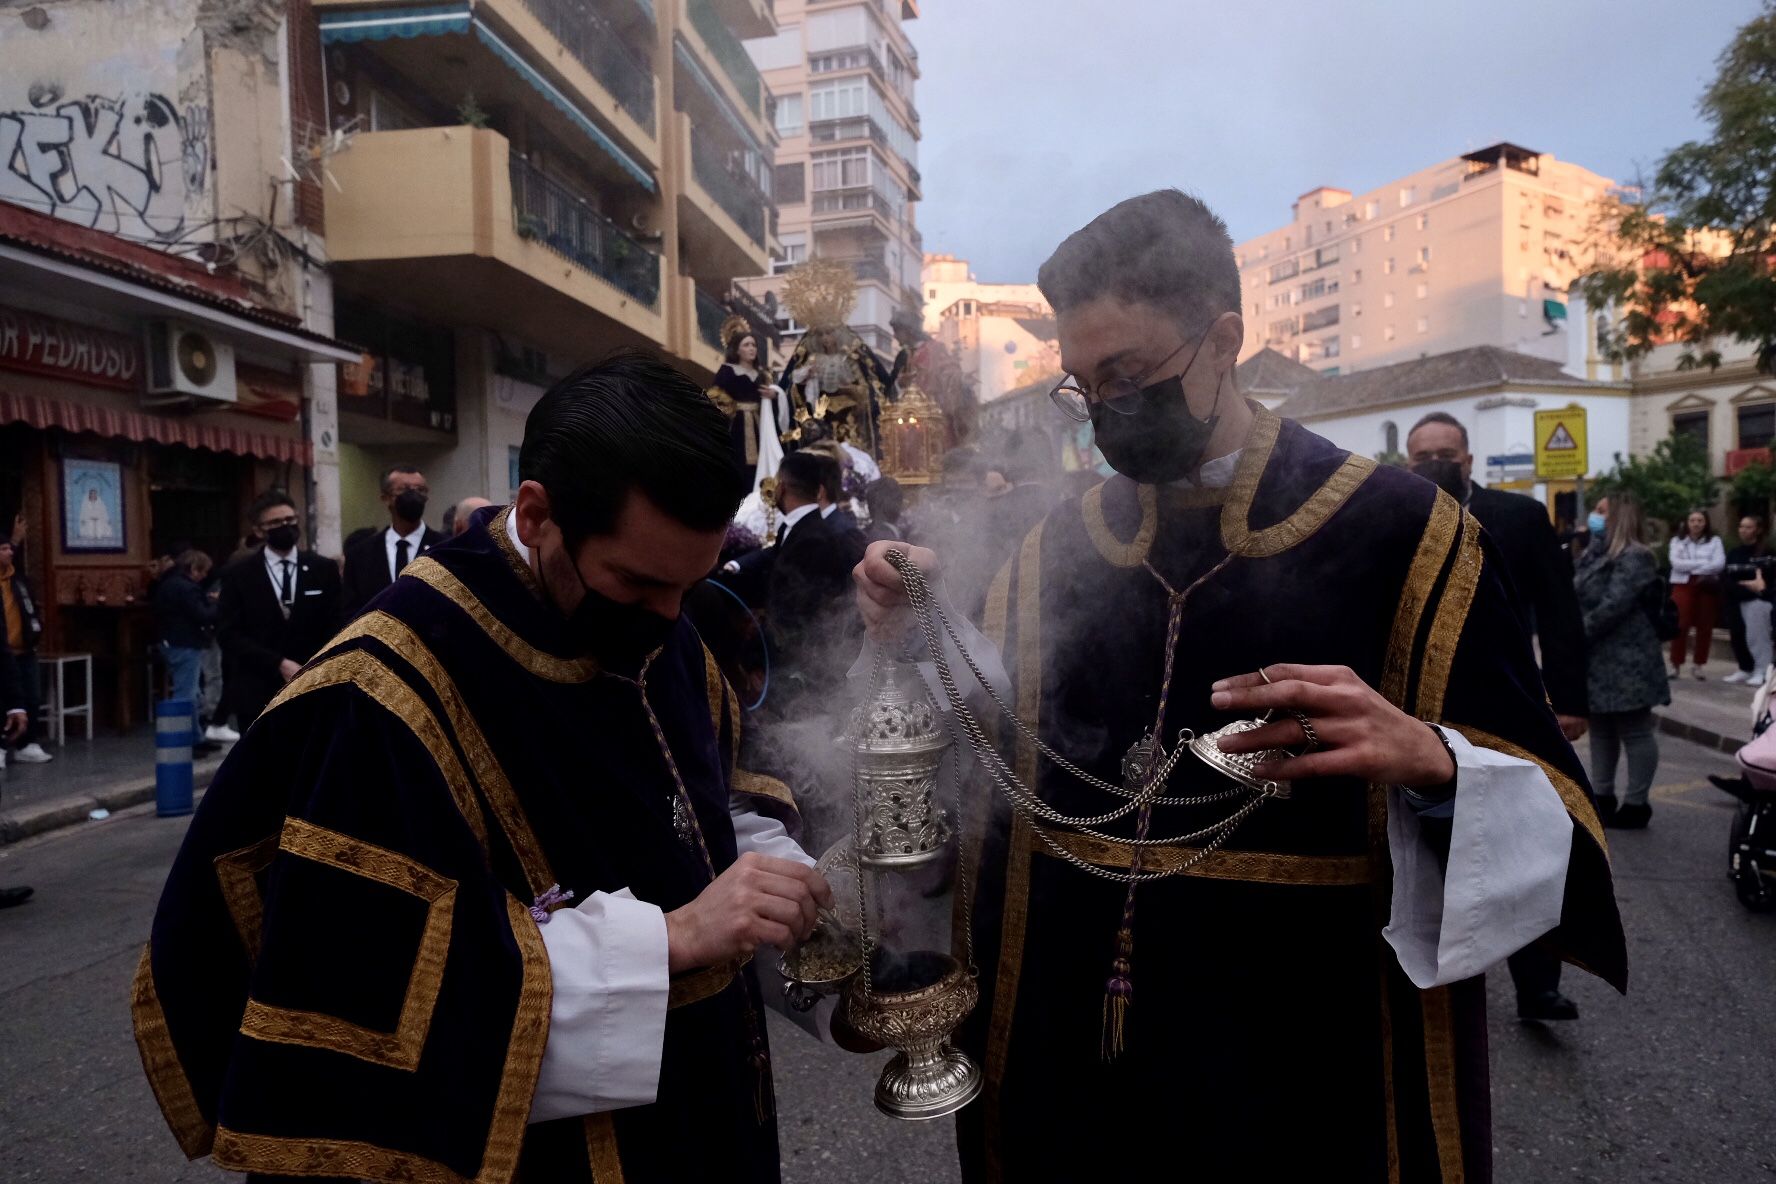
1023, 798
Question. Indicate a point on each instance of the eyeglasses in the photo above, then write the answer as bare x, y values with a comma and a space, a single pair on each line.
1117, 394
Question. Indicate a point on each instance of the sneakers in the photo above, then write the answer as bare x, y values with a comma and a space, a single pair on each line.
1696, 673
221, 734
1674, 672
1738, 676
32, 754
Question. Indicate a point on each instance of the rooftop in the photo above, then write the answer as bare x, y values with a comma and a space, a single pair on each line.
1479, 367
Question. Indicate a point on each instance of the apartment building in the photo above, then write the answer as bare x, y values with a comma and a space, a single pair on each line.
1479, 249
947, 279
842, 77
519, 186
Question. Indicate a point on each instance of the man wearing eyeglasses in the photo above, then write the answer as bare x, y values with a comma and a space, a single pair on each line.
278, 606
1295, 991
378, 560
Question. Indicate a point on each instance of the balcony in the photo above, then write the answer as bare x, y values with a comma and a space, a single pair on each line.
749, 18
836, 201
451, 224
851, 127
723, 215
546, 211
697, 321
565, 61
856, 57
726, 51
597, 45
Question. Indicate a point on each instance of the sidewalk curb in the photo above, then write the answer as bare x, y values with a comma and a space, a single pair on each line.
22, 822
1707, 737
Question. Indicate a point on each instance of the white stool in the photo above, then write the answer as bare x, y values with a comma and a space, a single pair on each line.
55, 710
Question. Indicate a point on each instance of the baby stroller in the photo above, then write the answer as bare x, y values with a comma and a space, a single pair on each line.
1751, 851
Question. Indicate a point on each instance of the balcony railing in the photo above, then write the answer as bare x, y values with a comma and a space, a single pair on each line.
727, 50
546, 211
710, 315
851, 127
597, 45
737, 196
844, 200
856, 57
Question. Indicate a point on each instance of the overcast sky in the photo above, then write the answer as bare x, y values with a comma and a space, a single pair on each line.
1039, 114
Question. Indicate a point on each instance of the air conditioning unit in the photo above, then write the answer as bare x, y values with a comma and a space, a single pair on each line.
187, 366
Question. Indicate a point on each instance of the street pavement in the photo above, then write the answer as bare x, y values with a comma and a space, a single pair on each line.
1671, 1084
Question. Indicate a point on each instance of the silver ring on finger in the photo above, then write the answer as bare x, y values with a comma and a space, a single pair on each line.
1307, 730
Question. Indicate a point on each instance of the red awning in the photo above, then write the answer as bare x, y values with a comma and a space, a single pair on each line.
42, 412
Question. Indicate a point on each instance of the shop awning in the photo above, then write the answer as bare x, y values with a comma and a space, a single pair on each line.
145, 428
382, 24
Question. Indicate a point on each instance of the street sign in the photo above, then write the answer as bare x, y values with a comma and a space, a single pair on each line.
1561, 450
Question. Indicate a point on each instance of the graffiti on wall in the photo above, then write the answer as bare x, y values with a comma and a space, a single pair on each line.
125, 165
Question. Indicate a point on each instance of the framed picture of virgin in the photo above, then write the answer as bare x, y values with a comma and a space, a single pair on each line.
92, 506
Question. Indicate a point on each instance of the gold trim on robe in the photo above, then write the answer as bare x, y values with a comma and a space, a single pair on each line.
237, 873
1254, 867
401, 1048
1237, 534
160, 1061
543, 665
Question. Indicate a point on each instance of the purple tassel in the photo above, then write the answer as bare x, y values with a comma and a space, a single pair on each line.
540, 907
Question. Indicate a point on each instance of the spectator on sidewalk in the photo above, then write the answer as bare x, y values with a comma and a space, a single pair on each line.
1697, 560
12, 704
185, 617
278, 607
22, 629
372, 563
1748, 607
1618, 583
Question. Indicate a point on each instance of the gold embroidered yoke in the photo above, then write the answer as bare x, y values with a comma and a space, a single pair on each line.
1271, 1031
345, 979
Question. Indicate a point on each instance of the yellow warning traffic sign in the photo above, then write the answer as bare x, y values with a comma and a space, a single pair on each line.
1560, 444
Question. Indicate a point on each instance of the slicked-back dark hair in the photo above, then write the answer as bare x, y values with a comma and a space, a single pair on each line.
1164, 249
265, 501
807, 472
630, 422
1444, 418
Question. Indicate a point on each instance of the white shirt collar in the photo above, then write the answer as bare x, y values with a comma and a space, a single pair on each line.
827, 511
1214, 474
512, 533
274, 562
796, 515
414, 536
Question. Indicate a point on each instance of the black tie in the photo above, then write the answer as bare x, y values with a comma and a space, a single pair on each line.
288, 596
400, 555
782, 529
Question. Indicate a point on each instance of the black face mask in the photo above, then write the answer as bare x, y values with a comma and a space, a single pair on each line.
282, 538
618, 635
1445, 474
1162, 441
410, 505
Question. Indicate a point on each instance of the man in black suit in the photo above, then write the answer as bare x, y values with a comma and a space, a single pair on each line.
374, 561
808, 585
1541, 574
279, 606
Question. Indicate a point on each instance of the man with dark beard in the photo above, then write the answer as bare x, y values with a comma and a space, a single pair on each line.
476, 896
1293, 991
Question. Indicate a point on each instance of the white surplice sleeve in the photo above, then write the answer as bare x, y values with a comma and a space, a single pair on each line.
607, 1020
1506, 877
757, 832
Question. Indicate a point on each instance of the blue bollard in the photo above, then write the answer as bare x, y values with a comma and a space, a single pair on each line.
175, 724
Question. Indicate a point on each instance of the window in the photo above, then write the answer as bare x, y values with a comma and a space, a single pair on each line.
1357, 245
1284, 270
1408, 195
1387, 235
1757, 425
1388, 333
795, 251
789, 115
931, 293
1356, 341
1371, 210
1387, 300
1390, 436
840, 28
1328, 226
1319, 318
1357, 276
1424, 324
1424, 221
1424, 254
1423, 291
1329, 348
789, 183
1356, 310
1693, 424
776, 53
842, 98
841, 168
1388, 267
